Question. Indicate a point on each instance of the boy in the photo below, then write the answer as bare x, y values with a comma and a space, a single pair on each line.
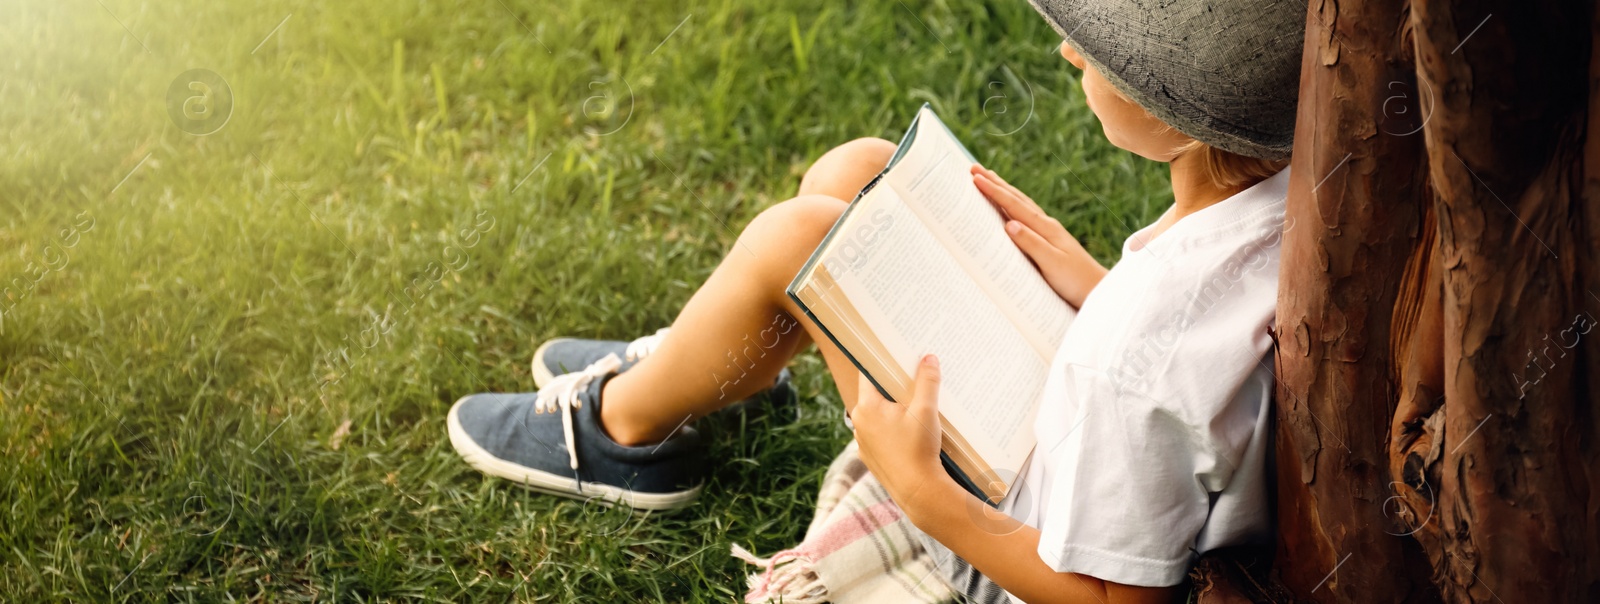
1153, 424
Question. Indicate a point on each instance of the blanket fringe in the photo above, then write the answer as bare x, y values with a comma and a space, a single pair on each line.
788, 577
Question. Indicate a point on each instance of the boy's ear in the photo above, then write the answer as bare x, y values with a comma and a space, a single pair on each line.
1071, 55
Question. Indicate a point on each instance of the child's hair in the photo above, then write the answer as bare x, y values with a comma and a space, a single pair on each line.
1228, 169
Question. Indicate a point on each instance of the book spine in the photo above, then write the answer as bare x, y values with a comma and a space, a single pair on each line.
836, 344
962, 479
950, 466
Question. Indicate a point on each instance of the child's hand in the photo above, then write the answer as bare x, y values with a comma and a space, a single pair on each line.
1066, 266
900, 441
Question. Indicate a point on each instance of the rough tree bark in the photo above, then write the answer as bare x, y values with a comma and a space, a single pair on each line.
1357, 202
1437, 428
1510, 155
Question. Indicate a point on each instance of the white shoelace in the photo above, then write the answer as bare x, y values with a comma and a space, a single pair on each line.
561, 394
642, 347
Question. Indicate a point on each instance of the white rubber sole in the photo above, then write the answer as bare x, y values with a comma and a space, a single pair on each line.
541, 372
554, 484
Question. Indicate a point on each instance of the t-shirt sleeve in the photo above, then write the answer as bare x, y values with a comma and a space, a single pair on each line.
1131, 486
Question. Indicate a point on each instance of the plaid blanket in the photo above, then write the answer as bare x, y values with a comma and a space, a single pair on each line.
859, 548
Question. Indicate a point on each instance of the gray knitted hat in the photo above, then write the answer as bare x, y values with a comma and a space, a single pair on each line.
1225, 72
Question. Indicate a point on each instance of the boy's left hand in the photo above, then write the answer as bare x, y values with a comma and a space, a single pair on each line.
900, 441
1062, 261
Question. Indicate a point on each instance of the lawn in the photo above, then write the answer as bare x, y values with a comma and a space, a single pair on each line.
227, 346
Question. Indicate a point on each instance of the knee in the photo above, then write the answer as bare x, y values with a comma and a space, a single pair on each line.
871, 152
845, 169
792, 229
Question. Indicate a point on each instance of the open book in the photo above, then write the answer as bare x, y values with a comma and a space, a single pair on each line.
920, 263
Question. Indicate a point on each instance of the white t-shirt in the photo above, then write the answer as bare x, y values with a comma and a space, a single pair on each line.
1153, 428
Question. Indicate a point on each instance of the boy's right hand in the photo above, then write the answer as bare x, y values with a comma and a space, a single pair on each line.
1065, 265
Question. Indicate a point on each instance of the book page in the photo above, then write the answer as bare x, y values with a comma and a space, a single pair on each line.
918, 300
934, 178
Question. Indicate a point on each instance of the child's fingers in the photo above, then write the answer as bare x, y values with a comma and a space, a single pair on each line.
1029, 214
1001, 201
1023, 208
1005, 184
1041, 250
866, 393
1014, 190
998, 208
1009, 204
994, 191
925, 400
1017, 205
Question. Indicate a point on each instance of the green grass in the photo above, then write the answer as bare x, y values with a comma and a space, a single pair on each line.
405, 198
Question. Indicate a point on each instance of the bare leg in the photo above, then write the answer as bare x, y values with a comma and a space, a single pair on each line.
740, 329
844, 170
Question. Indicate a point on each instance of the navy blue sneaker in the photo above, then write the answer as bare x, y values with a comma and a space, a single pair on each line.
552, 441
560, 356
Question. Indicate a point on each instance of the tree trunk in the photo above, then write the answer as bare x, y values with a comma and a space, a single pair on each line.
1357, 200
1437, 438
1511, 157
